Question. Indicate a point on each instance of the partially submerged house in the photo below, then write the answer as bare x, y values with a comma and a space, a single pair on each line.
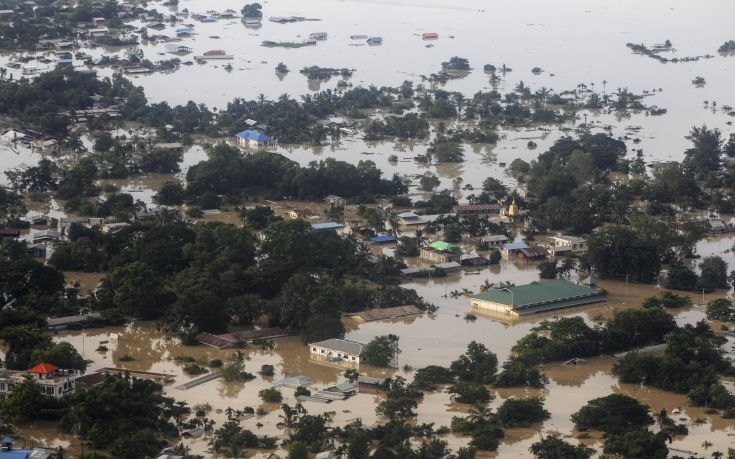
336, 350
53, 381
441, 252
566, 245
511, 249
533, 253
253, 139
516, 301
495, 240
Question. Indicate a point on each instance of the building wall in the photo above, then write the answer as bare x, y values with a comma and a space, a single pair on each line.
437, 256
495, 308
323, 353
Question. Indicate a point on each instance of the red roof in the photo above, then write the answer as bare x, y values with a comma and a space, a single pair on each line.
43, 369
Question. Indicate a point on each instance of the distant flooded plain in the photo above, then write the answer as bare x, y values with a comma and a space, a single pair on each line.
574, 42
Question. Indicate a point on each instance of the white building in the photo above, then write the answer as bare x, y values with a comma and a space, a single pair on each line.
562, 245
52, 380
337, 350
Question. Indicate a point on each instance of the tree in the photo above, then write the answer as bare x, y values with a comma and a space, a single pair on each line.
522, 412
614, 413
429, 181
469, 392
553, 447
547, 269
381, 351
478, 364
704, 155
26, 402
713, 274
170, 194
720, 309
401, 401
681, 277
640, 443
62, 354
270, 395
297, 450
428, 378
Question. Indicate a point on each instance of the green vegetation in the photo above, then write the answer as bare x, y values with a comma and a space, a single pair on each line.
270, 395
381, 351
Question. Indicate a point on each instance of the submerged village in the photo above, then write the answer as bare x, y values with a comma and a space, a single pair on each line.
349, 229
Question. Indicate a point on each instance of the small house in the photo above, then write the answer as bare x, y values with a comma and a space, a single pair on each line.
383, 239
98, 32
440, 252
371, 385
536, 252
98, 22
46, 236
375, 41
495, 240
337, 350
38, 220
328, 226
448, 267
253, 139
566, 245
510, 250
716, 226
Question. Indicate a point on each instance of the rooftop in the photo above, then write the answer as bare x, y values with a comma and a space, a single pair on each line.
342, 345
327, 225
443, 246
253, 135
542, 296
515, 246
43, 369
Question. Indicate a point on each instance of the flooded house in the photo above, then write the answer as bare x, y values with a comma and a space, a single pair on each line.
253, 139
52, 380
441, 252
336, 350
495, 240
566, 245
516, 301
511, 249
533, 253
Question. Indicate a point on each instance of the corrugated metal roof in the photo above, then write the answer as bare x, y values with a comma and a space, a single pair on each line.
253, 135
341, 345
538, 296
515, 246
327, 225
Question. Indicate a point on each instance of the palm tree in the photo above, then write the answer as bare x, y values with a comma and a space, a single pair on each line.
479, 414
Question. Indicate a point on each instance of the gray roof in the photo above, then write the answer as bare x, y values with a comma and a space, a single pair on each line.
341, 345
495, 238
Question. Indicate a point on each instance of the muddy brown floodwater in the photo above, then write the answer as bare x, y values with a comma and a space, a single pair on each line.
426, 339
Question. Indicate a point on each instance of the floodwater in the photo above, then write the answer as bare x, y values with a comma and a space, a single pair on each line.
573, 41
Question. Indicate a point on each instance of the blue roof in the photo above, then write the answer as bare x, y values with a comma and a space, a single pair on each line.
15, 454
328, 225
383, 239
253, 135
185, 30
515, 246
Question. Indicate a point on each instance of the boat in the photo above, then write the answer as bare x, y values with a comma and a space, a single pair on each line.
430, 36
13, 65
358, 37
375, 41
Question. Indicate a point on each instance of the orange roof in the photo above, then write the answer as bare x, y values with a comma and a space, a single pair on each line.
43, 369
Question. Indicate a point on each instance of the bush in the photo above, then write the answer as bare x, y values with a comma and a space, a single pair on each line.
469, 392
271, 395
522, 412
194, 369
720, 309
428, 378
613, 413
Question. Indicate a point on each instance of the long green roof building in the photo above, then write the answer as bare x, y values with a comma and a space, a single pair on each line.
536, 297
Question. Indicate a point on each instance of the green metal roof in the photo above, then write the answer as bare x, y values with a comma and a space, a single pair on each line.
542, 296
443, 246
